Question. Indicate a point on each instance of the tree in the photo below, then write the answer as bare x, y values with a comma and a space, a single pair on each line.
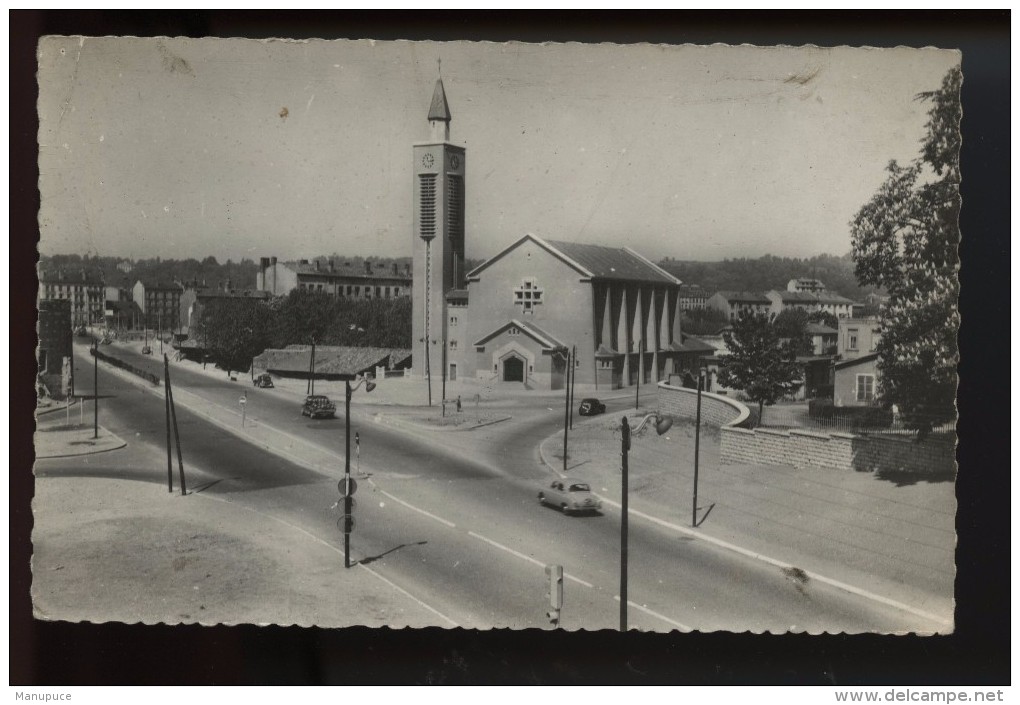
906, 240
825, 318
234, 331
791, 326
759, 363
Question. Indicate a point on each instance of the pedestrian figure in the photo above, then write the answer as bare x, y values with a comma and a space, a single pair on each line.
458, 403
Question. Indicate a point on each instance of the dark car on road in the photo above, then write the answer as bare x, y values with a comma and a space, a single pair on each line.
318, 407
591, 407
264, 381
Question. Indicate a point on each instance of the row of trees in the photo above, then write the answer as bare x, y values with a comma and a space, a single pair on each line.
234, 331
770, 272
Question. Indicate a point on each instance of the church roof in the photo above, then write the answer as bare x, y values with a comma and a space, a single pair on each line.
613, 262
595, 262
530, 329
439, 110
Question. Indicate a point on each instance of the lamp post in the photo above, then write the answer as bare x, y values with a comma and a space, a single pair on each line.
95, 387
697, 442
565, 353
348, 494
662, 424
573, 375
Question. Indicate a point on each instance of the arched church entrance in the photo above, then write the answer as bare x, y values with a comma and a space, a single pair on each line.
513, 369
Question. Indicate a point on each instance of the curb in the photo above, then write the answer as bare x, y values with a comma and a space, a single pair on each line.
116, 445
411, 425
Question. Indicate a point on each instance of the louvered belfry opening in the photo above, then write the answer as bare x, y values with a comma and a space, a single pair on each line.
427, 203
455, 209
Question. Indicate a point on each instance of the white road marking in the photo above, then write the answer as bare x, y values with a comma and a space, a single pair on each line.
405, 592
525, 557
414, 508
655, 614
334, 549
860, 592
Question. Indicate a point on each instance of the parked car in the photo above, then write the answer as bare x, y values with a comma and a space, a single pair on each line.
264, 380
591, 407
146, 350
570, 496
318, 407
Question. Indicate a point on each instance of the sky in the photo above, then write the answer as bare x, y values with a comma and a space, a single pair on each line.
241, 148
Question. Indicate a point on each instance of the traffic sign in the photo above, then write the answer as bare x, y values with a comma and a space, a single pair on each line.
345, 523
347, 486
243, 400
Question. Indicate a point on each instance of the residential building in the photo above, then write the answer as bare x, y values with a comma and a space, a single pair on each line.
823, 339
54, 351
194, 297
83, 289
733, 303
334, 277
803, 284
810, 302
160, 303
855, 381
857, 337
692, 297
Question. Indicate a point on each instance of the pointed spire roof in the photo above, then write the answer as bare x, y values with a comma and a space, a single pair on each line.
439, 110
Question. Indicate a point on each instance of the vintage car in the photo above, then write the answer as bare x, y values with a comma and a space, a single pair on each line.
146, 350
263, 380
569, 496
591, 407
317, 406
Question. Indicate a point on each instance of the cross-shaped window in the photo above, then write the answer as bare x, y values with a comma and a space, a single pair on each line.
528, 295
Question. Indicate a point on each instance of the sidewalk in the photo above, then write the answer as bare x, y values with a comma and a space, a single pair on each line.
895, 541
140, 551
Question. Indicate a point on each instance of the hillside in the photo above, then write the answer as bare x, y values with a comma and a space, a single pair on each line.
768, 272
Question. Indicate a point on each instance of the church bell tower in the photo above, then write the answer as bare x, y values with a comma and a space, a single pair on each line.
438, 236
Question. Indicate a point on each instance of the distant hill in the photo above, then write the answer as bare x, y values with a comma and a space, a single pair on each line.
769, 272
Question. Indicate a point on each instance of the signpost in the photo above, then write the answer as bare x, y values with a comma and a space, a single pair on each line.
243, 401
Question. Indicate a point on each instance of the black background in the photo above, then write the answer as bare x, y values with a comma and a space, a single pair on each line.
978, 653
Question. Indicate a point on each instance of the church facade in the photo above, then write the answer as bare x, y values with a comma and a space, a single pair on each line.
515, 317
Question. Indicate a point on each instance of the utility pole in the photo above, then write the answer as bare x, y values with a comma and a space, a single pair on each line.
173, 417
566, 412
555, 593
347, 475
573, 374
444, 376
95, 387
624, 448
169, 453
697, 441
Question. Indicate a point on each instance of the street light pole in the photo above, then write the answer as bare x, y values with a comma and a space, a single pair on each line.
624, 447
95, 387
573, 374
697, 441
566, 412
347, 472
637, 388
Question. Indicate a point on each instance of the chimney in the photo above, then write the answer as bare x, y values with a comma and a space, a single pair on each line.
332, 266
272, 261
395, 268
368, 267
407, 269
316, 265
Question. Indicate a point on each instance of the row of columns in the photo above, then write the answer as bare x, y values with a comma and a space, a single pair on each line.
636, 318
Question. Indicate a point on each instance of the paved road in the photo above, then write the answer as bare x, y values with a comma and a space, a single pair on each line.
462, 531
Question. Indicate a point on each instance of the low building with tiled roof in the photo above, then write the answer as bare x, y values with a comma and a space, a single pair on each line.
810, 302
332, 362
733, 303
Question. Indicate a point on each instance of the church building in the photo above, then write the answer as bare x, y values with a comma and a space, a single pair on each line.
514, 317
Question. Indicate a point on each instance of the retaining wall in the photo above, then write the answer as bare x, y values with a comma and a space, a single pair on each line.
716, 410
935, 455
841, 451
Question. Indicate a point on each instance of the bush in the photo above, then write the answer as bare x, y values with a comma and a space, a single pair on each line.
860, 416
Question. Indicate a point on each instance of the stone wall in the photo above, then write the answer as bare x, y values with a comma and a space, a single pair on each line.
841, 451
716, 410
